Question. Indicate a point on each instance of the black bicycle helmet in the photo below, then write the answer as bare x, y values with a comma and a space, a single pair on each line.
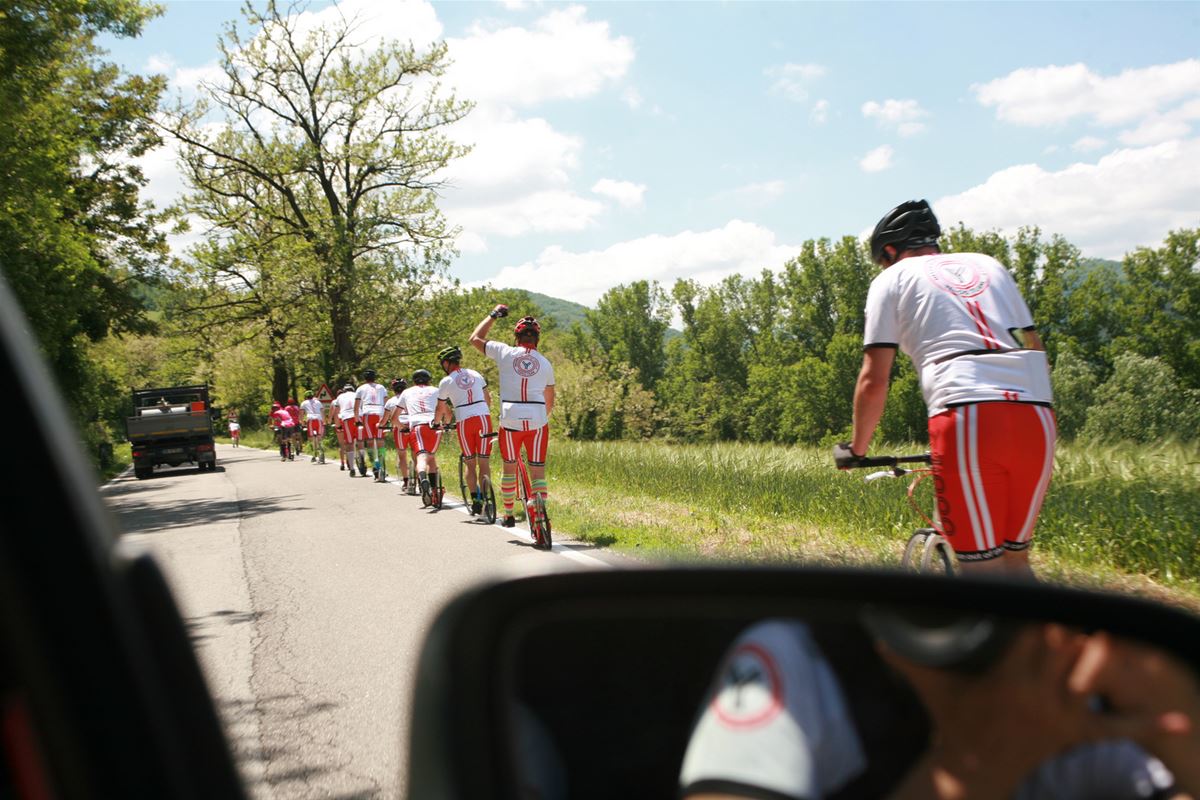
451, 353
369, 374
349, 387
907, 226
422, 377
399, 385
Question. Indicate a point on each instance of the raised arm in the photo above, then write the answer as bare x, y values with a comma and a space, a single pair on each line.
479, 336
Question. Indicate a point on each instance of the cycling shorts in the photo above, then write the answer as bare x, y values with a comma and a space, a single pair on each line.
316, 428
991, 466
470, 435
235, 430
424, 439
534, 441
370, 423
399, 438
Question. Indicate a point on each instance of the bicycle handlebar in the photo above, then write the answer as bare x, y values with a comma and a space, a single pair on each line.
888, 461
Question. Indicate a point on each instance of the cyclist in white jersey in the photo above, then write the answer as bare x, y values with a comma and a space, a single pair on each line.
419, 402
347, 425
526, 400
314, 419
394, 415
465, 390
786, 718
368, 407
985, 379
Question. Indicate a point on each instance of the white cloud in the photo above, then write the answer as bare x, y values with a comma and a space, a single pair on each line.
538, 212
706, 256
878, 159
376, 21
627, 194
1142, 97
563, 56
1128, 198
632, 98
903, 116
1088, 144
820, 112
792, 80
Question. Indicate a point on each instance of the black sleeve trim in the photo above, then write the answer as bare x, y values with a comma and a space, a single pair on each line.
873, 345
1030, 329
719, 786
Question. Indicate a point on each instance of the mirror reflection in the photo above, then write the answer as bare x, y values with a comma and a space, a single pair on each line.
855, 702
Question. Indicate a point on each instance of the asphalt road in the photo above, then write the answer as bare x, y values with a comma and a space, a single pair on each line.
307, 595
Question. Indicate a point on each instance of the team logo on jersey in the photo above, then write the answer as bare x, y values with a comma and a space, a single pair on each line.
526, 366
751, 690
463, 379
959, 278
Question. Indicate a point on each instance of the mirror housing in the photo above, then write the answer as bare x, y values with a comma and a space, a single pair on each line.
641, 645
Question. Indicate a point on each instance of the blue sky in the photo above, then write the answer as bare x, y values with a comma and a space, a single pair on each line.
616, 141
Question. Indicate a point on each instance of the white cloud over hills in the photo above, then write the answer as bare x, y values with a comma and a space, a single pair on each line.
706, 256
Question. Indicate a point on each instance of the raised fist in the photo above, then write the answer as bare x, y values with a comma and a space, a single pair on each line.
499, 311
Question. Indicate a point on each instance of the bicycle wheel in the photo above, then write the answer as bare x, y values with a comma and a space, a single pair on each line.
543, 522
489, 499
462, 482
914, 549
935, 557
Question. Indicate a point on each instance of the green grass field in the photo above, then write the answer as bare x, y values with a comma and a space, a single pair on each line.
1121, 517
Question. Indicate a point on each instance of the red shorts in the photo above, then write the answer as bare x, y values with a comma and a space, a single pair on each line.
534, 442
370, 424
470, 435
991, 466
399, 438
316, 428
345, 429
424, 439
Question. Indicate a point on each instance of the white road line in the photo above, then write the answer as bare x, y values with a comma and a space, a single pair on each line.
565, 552
108, 484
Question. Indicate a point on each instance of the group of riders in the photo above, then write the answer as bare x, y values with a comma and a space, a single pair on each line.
418, 412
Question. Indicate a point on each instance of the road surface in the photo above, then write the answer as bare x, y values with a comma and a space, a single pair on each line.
307, 596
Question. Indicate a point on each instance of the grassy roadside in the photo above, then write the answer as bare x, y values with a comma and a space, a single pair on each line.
1118, 517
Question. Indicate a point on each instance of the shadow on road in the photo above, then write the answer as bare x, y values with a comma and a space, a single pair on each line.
148, 517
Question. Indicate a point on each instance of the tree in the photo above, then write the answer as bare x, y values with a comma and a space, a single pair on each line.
1143, 402
332, 146
77, 241
629, 324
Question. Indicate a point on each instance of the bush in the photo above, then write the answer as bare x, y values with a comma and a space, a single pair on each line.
1142, 402
1074, 385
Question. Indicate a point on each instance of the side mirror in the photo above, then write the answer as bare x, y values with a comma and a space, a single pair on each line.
593, 684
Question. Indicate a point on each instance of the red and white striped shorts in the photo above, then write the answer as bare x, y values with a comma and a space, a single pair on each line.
534, 441
991, 466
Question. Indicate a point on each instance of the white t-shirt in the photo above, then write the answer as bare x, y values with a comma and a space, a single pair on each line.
420, 402
313, 409
524, 375
400, 418
954, 315
345, 405
775, 719
373, 396
463, 388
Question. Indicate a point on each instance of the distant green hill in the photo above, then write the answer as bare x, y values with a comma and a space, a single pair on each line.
563, 312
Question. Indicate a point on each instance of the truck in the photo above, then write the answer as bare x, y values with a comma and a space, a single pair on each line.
171, 426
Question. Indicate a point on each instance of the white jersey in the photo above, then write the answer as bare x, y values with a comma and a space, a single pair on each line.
776, 720
400, 418
345, 405
955, 315
373, 396
420, 402
313, 409
463, 389
524, 375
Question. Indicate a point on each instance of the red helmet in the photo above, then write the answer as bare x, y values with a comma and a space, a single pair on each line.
527, 325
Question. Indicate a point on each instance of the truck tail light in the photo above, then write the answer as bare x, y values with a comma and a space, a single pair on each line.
203, 448
139, 453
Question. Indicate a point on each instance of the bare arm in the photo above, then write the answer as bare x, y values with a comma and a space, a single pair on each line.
479, 336
442, 414
549, 394
870, 395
